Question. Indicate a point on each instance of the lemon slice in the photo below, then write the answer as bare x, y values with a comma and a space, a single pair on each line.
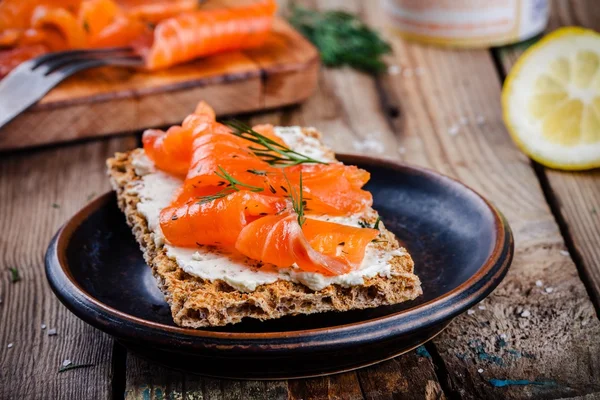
551, 100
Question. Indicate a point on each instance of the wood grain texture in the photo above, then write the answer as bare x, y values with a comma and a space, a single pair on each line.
451, 101
577, 194
39, 191
107, 100
405, 377
149, 381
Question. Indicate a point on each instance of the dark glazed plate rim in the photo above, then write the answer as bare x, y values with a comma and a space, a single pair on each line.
428, 314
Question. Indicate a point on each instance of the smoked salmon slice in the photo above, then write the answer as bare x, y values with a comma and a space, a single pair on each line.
332, 188
318, 246
198, 147
157, 10
204, 32
164, 32
171, 151
217, 222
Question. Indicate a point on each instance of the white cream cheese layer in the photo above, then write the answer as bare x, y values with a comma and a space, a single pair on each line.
156, 189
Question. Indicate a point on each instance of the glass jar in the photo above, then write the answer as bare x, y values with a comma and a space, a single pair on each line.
467, 23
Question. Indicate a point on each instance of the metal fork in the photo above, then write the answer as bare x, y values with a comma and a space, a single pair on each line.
32, 79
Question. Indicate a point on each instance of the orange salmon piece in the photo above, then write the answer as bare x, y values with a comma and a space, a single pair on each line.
205, 32
171, 151
95, 15
342, 242
215, 223
156, 10
279, 240
63, 21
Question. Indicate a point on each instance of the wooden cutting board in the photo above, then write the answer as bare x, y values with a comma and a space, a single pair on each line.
107, 101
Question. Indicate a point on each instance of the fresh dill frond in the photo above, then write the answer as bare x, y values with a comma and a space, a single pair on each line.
342, 38
297, 198
14, 275
376, 224
233, 185
365, 224
268, 150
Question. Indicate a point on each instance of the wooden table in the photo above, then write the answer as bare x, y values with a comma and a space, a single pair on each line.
544, 309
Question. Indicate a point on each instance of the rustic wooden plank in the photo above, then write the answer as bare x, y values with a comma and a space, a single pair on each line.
450, 100
395, 378
106, 101
149, 381
334, 387
577, 194
39, 191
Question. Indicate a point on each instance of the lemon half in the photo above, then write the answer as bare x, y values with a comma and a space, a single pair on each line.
551, 100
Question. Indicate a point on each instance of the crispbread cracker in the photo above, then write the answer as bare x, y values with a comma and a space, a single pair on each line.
197, 302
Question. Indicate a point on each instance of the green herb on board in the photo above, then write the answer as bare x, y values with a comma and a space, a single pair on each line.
342, 39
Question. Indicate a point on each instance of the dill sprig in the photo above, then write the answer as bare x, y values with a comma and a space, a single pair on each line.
233, 186
342, 39
14, 275
268, 150
297, 199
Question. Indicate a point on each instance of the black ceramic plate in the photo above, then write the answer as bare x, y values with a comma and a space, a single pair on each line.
461, 245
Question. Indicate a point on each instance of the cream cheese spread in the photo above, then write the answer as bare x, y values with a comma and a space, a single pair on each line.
156, 189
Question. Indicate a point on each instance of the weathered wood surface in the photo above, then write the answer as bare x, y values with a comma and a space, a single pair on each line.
575, 196
106, 101
38, 192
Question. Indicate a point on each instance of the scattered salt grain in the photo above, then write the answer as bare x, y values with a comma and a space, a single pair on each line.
43, 326
471, 312
525, 314
549, 289
407, 73
564, 253
481, 307
10, 345
401, 150
539, 283
419, 71
463, 120
371, 145
480, 120
480, 370
453, 131
393, 70
52, 332
66, 363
